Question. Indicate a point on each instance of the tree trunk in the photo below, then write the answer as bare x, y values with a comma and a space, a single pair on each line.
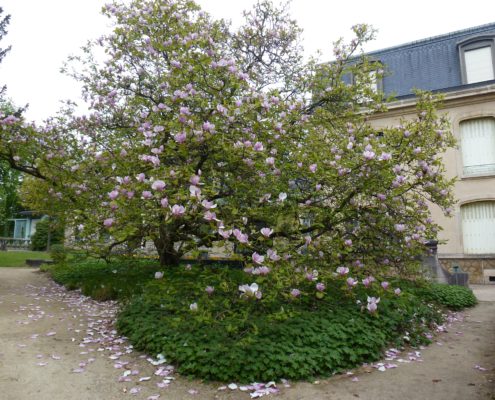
168, 255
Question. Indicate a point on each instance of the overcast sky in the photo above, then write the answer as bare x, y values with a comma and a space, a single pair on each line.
44, 32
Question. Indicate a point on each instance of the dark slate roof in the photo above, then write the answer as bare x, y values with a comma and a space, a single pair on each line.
429, 64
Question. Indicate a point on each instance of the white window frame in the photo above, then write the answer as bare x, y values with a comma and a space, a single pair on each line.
474, 44
478, 234
475, 170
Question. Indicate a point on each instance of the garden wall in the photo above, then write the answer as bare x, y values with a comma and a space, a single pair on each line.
481, 269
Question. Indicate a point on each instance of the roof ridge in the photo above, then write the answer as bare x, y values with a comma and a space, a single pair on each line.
445, 36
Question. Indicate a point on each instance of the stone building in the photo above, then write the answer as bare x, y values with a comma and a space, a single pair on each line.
461, 65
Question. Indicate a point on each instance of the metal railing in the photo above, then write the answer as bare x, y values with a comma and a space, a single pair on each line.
14, 243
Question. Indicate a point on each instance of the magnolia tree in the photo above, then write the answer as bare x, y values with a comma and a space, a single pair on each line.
200, 134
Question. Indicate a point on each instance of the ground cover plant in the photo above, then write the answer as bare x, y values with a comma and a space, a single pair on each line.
16, 258
104, 281
191, 317
451, 296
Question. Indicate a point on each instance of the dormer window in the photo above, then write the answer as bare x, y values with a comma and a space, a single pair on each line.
371, 81
477, 60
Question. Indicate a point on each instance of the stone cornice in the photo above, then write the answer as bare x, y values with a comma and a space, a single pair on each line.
451, 99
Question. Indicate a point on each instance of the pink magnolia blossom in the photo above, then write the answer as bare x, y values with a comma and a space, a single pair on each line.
260, 271
158, 185
208, 204
400, 227
241, 237
180, 137
312, 276
266, 232
210, 216
342, 271
209, 289
195, 191
385, 156
113, 194
258, 146
184, 111
351, 282
368, 155
272, 255
208, 127
320, 286
195, 180
225, 234
372, 304
108, 222
250, 291
178, 210
257, 259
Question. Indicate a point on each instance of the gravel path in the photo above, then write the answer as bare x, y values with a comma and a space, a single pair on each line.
59, 345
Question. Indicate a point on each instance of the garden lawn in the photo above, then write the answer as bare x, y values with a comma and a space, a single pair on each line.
14, 258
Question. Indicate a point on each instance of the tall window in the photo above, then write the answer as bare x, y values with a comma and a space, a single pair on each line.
478, 227
478, 146
477, 60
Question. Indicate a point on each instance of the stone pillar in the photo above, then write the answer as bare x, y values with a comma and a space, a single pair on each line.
431, 265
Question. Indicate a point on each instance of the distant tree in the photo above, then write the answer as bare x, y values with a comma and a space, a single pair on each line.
9, 178
10, 181
4, 22
48, 232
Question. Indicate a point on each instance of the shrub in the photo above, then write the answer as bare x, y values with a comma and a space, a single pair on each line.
58, 253
39, 240
451, 296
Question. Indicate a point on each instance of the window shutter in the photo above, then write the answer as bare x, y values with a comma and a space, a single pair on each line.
479, 64
478, 227
478, 145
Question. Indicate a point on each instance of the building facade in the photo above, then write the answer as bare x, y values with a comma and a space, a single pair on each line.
461, 66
